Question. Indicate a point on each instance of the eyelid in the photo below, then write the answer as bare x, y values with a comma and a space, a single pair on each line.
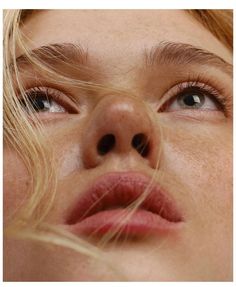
179, 88
57, 96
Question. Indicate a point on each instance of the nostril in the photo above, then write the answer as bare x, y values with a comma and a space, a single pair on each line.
106, 144
140, 143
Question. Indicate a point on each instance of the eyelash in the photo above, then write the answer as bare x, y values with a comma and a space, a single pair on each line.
51, 94
198, 85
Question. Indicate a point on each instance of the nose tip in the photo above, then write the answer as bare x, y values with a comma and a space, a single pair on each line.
119, 125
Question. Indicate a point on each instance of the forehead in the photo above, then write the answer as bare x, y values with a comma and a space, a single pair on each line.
118, 37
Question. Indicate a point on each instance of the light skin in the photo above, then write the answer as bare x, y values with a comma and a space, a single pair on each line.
196, 148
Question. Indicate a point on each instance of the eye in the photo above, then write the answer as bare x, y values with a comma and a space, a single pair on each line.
47, 100
193, 96
193, 99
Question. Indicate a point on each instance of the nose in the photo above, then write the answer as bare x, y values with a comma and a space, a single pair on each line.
121, 126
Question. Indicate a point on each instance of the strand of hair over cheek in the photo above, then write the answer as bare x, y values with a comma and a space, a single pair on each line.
50, 234
19, 133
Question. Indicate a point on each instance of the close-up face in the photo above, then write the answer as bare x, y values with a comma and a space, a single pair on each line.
139, 125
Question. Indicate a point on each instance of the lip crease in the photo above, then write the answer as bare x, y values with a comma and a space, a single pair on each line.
102, 207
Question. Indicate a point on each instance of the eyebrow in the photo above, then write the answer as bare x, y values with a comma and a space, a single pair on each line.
169, 53
50, 54
165, 53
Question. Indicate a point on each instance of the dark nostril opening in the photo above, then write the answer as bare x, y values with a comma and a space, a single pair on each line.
140, 143
106, 144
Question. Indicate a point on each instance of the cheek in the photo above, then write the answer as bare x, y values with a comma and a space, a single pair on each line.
66, 148
202, 160
16, 183
68, 159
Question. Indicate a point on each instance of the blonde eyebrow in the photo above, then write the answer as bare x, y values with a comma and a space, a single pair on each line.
175, 53
50, 54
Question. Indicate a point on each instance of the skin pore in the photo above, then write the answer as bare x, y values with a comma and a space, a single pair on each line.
196, 147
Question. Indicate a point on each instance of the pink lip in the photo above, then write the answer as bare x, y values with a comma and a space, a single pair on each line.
103, 206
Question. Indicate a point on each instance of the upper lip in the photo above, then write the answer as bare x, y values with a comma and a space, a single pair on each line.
119, 190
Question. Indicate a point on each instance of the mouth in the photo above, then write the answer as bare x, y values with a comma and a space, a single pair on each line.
107, 207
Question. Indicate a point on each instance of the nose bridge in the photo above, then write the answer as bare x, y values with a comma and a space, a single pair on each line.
121, 125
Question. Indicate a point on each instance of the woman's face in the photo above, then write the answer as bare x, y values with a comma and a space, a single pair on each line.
180, 100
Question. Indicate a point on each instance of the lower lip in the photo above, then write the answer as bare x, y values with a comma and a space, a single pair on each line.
119, 221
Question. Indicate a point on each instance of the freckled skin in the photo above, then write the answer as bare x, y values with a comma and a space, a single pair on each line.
196, 156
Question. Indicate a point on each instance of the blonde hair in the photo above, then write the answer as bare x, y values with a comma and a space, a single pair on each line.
29, 141
218, 22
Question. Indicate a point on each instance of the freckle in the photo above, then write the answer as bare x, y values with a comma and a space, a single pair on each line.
28, 183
